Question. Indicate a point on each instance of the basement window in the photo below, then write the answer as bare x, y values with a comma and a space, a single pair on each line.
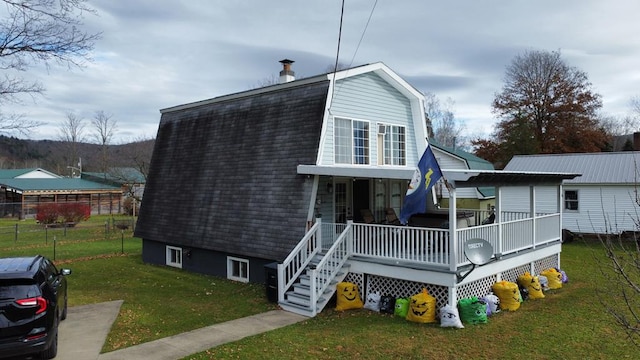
237, 269
571, 200
174, 256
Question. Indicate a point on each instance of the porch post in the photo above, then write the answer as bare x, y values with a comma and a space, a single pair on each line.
453, 238
532, 209
350, 239
318, 242
498, 212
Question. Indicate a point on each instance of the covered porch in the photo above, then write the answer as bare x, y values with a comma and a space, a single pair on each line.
370, 254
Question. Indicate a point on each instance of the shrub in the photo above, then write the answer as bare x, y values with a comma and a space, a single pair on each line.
62, 213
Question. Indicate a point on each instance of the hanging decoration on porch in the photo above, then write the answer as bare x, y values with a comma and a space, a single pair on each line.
422, 308
472, 310
554, 277
372, 302
348, 296
509, 295
449, 317
493, 303
425, 176
402, 307
532, 284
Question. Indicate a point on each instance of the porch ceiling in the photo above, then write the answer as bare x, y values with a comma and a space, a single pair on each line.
373, 172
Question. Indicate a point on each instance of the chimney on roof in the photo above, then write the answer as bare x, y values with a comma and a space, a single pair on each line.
286, 74
636, 141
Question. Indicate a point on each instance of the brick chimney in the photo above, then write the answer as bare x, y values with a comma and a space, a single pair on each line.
636, 141
286, 74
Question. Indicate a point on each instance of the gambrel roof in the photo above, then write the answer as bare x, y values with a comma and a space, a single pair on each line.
596, 168
223, 175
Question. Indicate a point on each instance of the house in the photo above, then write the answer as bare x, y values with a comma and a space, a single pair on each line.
604, 200
470, 198
21, 190
273, 184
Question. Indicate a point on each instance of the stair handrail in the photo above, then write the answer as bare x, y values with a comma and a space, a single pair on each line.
299, 258
323, 273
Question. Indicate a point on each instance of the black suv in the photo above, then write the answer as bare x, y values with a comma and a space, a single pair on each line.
33, 300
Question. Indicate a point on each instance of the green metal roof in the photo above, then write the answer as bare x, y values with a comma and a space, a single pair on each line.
473, 163
61, 184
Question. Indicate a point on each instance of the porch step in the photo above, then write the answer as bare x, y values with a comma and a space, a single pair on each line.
296, 309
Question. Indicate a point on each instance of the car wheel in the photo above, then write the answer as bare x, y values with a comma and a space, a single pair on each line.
64, 309
52, 350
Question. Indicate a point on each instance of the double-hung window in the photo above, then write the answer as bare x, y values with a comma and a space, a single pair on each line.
351, 141
571, 200
395, 152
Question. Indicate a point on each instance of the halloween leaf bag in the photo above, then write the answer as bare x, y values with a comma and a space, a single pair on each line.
565, 278
508, 294
348, 296
422, 308
472, 311
493, 303
531, 284
372, 302
388, 304
449, 317
554, 277
544, 283
402, 307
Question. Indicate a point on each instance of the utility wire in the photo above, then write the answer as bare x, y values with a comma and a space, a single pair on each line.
363, 32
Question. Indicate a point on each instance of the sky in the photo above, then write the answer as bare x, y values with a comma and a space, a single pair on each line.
156, 54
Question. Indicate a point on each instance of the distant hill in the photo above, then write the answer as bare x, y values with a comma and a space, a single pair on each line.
56, 156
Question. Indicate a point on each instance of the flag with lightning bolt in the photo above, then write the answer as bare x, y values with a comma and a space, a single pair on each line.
427, 174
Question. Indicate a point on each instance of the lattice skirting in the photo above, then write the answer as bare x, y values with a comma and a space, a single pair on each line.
403, 288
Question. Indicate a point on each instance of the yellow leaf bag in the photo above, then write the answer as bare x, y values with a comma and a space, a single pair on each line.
422, 308
508, 294
554, 277
348, 296
532, 284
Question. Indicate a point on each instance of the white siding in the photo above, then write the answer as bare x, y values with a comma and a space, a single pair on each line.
602, 209
368, 97
447, 161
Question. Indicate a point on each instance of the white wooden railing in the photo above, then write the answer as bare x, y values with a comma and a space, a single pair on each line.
332, 261
299, 258
402, 243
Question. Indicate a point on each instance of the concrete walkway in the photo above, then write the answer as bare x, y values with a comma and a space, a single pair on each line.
85, 330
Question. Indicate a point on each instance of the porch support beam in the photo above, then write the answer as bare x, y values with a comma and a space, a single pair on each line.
453, 236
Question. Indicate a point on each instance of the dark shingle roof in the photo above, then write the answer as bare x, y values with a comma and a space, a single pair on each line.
223, 174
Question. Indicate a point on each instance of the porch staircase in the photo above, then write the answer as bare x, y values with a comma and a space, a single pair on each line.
298, 298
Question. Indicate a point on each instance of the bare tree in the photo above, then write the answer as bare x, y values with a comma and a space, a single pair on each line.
71, 133
38, 32
105, 128
447, 130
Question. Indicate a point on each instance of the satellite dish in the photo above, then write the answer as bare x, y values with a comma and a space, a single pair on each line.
479, 252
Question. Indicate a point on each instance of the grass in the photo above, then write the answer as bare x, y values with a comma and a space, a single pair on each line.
569, 323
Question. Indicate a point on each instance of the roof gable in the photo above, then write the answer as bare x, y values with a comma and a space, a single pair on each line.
28, 173
596, 168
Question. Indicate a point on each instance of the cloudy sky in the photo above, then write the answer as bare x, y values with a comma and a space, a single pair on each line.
156, 54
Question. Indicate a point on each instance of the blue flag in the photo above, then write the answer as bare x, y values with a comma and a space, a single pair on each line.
427, 174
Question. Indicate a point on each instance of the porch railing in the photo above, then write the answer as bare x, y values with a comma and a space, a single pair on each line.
402, 243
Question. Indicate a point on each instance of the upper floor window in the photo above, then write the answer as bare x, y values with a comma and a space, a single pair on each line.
394, 145
351, 141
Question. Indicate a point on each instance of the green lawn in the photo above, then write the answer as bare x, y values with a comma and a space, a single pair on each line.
569, 323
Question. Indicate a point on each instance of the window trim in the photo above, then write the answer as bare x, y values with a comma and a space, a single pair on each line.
230, 275
168, 260
575, 201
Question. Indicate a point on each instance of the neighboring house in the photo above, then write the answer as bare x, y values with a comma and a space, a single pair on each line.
130, 179
275, 180
604, 200
31, 173
480, 198
21, 190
